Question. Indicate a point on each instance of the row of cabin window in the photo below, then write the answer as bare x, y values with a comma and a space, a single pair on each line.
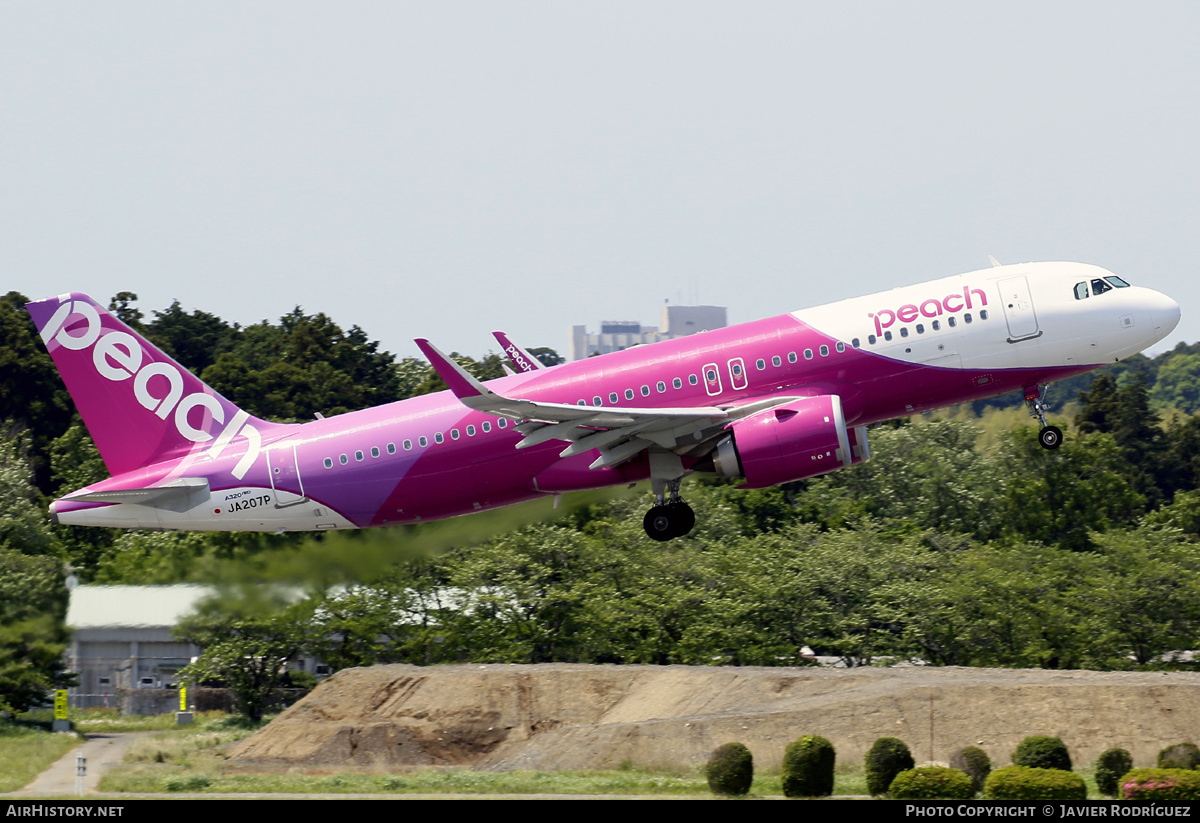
422, 441
952, 321
693, 380
613, 397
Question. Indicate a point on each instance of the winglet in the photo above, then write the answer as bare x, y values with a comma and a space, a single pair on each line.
522, 359
464, 386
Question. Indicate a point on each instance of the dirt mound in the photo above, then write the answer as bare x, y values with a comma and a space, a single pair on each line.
560, 716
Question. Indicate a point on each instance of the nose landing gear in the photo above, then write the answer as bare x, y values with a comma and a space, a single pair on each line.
1050, 437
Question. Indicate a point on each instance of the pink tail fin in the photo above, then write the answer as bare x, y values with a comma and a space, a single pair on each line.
140, 406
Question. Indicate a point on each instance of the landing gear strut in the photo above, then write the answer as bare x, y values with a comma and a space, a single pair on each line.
670, 516
1050, 437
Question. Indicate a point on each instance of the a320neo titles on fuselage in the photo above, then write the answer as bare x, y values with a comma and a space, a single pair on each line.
770, 401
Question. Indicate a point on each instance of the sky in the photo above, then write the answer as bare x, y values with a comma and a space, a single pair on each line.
444, 169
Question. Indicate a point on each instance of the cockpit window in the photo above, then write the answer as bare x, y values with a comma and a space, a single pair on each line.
1118, 282
1081, 291
1100, 287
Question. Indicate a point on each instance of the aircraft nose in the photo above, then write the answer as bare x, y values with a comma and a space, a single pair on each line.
1164, 312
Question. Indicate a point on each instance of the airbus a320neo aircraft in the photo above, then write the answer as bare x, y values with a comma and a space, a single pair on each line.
770, 401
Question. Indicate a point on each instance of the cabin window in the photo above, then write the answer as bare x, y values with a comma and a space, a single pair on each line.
374, 451
439, 438
776, 361
824, 351
983, 314
343, 459
711, 376
937, 324
612, 397
871, 339
808, 354
736, 368
423, 440
629, 394
408, 443
1081, 291
329, 462
661, 386
855, 343
693, 379
358, 455
502, 422
454, 434
581, 403
920, 328
952, 321
760, 364
596, 401
887, 335
487, 426
841, 347
391, 447
967, 317
470, 431
677, 383
904, 331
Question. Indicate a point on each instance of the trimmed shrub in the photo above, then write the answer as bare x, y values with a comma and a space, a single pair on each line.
975, 763
932, 783
1179, 756
1028, 783
1161, 784
807, 769
886, 759
1111, 766
730, 770
1040, 752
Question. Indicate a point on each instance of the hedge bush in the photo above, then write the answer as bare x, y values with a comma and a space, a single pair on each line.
886, 759
975, 763
1039, 752
807, 769
1028, 783
1179, 756
730, 770
1110, 767
932, 783
1161, 784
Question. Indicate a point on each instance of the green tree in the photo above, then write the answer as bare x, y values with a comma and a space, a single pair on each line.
32, 396
33, 635
1061, 497
245, 649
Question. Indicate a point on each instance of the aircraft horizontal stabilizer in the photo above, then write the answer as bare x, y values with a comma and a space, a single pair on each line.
180, 495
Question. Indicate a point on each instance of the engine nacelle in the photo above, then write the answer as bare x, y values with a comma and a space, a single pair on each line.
800, 439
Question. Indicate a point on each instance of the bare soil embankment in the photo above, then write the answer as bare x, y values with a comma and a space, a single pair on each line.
559, 716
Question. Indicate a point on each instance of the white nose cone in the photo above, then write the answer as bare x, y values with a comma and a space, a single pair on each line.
1163, 311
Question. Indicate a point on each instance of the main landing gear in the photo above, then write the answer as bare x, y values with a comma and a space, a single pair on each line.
1050, 437
670, 516
672, 519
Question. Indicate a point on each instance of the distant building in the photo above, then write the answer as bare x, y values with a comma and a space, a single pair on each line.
121, 643
615, 335
121, 637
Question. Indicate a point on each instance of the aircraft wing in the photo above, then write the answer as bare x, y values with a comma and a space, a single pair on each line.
618, 432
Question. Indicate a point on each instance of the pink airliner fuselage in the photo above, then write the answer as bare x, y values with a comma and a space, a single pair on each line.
772, 400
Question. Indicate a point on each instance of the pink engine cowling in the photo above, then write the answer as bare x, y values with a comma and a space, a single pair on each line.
804, 438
